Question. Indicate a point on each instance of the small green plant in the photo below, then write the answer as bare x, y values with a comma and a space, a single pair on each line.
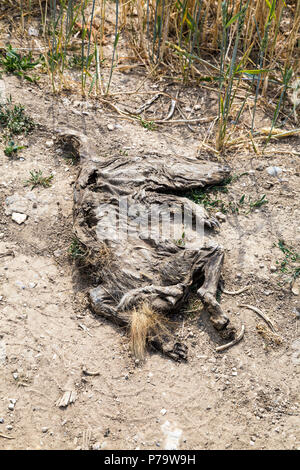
76, 61
37, 179
290, 265
12, 149
16, 64
76, 249
204, 196
14, 119
181, 241
208, 198
258, 203
149, 125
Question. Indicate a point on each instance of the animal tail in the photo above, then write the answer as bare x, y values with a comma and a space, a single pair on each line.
145, 325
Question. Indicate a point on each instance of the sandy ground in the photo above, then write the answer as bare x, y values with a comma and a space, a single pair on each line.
244, 398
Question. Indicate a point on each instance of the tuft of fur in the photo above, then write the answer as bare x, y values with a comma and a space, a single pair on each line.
145, 325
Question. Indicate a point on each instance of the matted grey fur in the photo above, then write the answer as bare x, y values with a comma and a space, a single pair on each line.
143, 265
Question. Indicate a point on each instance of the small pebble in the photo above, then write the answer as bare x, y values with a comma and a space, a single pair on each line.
33, 31
20, 285
163, 411
296, 311
268, 292
97, 446
44, 429
110, 127
295, 290
274, 170
18, 218
221, 217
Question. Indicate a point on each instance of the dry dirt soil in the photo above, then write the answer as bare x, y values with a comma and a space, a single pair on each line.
50, 342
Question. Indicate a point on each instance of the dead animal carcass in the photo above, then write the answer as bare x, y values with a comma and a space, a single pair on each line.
147, 270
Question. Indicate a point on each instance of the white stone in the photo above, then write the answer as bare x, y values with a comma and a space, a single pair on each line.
97, 446
18, 217
295, 290
274, 170
33, 31
220, 216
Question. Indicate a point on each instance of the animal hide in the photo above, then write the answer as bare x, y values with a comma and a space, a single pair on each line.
120, 204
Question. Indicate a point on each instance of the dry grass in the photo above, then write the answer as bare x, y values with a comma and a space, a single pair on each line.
145, 325
248, 48
270, 338
196, 26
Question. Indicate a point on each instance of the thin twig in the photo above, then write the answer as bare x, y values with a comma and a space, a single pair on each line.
261, 314
184, 117
6, 437
233, 342
236, 292
90, 373
183, 121
145, 106
172, 108
7, 253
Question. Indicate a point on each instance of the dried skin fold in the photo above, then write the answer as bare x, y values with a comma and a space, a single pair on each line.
144, 268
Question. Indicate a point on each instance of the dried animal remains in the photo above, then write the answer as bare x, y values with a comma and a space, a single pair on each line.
122, 202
